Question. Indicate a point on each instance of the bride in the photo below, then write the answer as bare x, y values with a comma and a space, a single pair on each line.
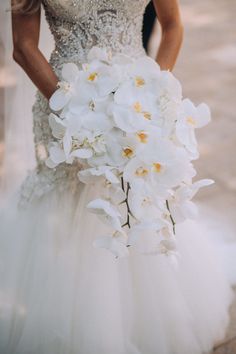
58, 294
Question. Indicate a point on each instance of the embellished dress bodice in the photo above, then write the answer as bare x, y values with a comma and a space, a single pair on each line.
77, 26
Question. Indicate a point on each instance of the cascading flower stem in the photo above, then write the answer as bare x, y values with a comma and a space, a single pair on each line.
126, 201
171, 217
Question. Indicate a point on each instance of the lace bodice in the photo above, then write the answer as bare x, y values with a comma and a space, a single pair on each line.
78, 25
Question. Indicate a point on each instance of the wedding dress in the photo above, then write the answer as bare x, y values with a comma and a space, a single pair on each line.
60, 295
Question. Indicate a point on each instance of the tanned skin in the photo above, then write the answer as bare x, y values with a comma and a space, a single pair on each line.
25, 30
168, 14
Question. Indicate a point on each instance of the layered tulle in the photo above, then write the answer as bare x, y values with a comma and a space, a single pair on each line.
60, 295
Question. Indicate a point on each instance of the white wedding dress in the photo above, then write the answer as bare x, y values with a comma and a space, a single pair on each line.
60, 295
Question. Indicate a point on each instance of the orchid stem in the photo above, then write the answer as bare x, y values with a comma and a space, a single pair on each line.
171, 217
122, 184
127, 223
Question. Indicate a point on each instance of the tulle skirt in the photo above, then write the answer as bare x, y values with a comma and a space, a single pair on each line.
60, 295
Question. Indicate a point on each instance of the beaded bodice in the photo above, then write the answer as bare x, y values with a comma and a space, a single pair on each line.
77, 26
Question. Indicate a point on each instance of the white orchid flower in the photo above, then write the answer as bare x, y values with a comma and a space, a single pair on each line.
100, 54
57, 125
135, 169
115, 65
97, 122
82, 153
85, 123
90, 175
181, 207
121, 149
191, 119
101, 78
122, 60
92, 148
143, 201
115, 194
107, 212
168, 93
90, 109
65, 130
116, 244
99, 160
120, 67
91, 139
169, 114
139, 75
57, 156
168, 86
70, 145
132, 110
146, 236
110, 149
161, 163
169, 165
99, 74
169, 97
180, 203
154, 239
199, 184
86, 101
143, 71
89, 136
62, 96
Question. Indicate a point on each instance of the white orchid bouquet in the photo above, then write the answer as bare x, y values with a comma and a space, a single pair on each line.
124, 121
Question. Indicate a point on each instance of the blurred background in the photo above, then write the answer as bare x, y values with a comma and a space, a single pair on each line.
207, 70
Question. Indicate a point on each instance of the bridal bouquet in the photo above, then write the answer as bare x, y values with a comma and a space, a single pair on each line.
124, 121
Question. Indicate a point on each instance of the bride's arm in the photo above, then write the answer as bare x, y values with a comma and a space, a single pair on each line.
25, 29
172, 32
